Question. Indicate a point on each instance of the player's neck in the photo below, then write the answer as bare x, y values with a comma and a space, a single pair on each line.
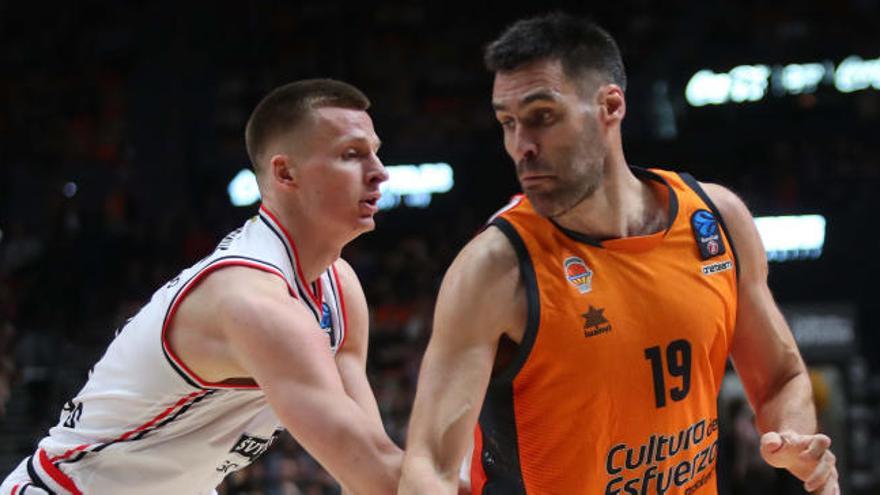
315, 250
622, 206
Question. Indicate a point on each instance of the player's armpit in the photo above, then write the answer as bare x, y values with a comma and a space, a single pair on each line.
480, 299
764, 352
277, 341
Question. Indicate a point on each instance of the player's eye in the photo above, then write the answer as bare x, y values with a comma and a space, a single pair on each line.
545, 117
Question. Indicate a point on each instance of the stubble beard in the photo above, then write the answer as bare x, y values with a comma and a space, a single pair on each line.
583, 175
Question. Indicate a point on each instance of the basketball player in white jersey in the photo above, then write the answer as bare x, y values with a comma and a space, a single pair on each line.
267, 332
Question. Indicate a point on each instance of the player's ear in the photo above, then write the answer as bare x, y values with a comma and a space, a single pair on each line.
612, 104
282, 170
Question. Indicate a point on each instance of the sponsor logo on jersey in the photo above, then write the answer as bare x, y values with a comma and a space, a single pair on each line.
227, 241
706, 232
713, 268
664, 462
595, 322
578, 274
251, 447
74, 411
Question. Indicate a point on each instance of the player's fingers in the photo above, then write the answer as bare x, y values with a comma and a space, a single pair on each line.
832, 487
817, 446
796, 441
821, 473
771, 442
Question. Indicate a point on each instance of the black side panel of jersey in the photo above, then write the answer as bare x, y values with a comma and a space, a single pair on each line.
693, 184
500, 454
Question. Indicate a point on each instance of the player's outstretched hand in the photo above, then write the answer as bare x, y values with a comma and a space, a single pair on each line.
808, 457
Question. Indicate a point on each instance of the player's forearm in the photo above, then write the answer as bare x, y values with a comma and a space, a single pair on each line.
351, 446
789, 408
374, 462
420, 476
379, 475
358, 388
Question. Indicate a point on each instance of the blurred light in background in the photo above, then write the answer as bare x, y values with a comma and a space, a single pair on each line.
802, 78
792, 237
69, 189
751, 82
742, 83
243, 190
854, 74
414, 184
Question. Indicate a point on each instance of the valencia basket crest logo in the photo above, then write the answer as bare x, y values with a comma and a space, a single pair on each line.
578, 274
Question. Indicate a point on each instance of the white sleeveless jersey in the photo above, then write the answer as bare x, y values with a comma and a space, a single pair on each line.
144, 423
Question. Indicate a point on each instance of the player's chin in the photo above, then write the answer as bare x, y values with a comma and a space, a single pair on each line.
366, 223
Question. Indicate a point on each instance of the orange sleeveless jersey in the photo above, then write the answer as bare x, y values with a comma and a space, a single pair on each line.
614, 387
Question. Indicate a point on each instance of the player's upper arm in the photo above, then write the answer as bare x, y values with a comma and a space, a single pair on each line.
764, 351
273, 338
750, 253
278, 342
480, 299
482, 278
356, 313
351, 359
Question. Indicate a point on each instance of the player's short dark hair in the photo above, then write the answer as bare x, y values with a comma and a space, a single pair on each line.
581, 45
287, 106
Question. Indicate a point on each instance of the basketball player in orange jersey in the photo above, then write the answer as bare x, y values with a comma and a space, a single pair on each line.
268, 331
585, 331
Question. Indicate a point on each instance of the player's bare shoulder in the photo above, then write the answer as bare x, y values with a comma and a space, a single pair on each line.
729, 204
222, 301
491, 251
483, 285
741, 227
347, 276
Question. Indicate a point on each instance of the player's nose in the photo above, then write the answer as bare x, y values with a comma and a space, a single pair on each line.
524, 144
376, 171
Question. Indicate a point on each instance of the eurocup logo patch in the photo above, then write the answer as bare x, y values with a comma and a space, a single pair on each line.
578, 274
705, 227
326, 322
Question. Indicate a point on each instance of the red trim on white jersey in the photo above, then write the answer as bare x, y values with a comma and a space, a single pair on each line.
184, 401
15, 489
316, 297
180, 297
52, 477
341, 306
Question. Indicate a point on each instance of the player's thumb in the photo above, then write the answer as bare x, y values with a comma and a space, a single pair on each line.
772, 448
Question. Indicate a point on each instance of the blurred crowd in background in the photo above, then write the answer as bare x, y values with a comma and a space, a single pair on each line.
122, 122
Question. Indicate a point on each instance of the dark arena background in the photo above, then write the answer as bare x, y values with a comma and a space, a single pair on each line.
121, 131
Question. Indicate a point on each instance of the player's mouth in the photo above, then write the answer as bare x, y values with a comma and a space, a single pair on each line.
370, 203
530, 180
